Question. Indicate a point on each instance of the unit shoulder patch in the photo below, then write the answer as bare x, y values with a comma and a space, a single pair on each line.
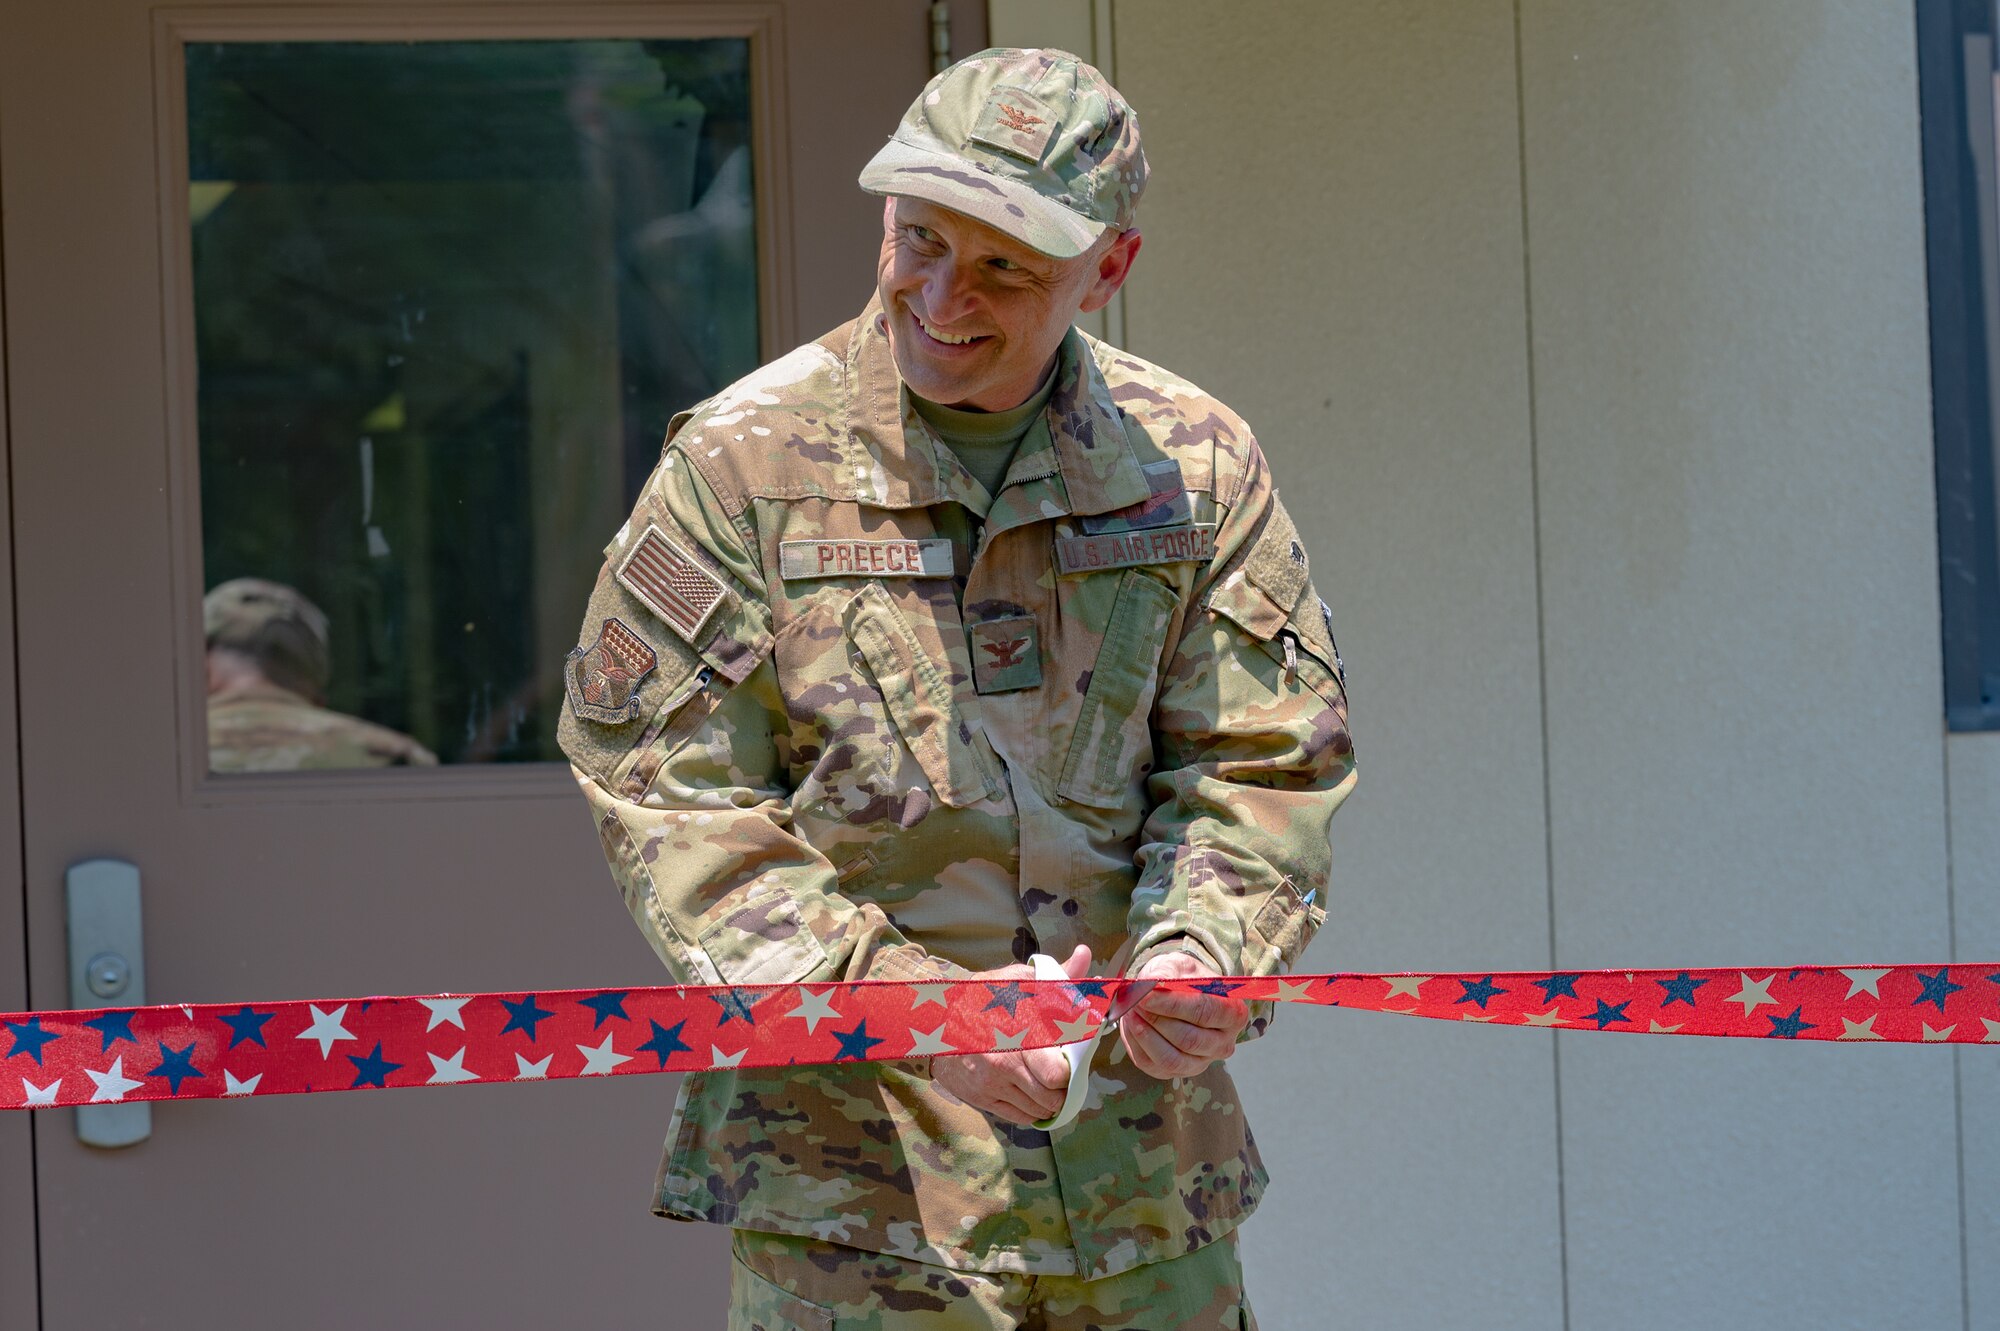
671, 583
602, 679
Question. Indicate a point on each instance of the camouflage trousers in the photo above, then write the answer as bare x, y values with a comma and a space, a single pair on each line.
781, 1282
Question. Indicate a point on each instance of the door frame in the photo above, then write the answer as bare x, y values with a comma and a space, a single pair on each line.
20, 1289
761, 24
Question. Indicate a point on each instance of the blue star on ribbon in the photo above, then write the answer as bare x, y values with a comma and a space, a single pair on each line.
855, 1043
1006, 996
1788, 1028
1680, 989
735, 1007
1217, 988
665, 1041
1479, 992
1606, 1013
522, 1016
606, 1006
29, 1037
372, 1069
1089, 988
176, 1065
244, 1025
1555, 986
113, 1026
1937, 987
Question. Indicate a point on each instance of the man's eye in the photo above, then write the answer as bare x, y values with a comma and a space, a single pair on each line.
1006, 265
924, 234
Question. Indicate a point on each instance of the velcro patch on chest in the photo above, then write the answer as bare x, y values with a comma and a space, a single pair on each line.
671, 583
1166, 506
1189, 542
1006, 654
603, 679
930, 557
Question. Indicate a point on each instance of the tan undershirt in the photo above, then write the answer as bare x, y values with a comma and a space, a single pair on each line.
985, 441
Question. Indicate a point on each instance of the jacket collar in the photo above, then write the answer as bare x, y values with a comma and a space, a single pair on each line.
895, 462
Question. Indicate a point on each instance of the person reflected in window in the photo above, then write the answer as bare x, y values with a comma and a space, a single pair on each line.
268, 669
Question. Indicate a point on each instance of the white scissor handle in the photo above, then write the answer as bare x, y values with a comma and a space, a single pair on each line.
1079, 1054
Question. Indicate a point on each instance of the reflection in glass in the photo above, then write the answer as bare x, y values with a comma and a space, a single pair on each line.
447, 296
267, 663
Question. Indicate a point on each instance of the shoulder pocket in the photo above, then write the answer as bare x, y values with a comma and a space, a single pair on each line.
920, 701
1113, 734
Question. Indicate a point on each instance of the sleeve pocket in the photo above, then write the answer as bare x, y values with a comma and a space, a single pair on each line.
763, 941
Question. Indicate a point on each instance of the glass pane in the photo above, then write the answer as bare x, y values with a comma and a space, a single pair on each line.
447, 296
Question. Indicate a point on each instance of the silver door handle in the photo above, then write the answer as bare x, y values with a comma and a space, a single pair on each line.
107, 968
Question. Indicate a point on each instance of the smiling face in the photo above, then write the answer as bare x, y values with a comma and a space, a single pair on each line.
975, 316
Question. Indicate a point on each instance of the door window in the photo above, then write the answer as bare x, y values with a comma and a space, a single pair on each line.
446, 297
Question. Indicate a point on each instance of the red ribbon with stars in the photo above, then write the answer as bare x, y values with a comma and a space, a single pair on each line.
225, 1050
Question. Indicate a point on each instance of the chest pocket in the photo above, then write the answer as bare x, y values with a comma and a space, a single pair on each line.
935, 725
1112, 742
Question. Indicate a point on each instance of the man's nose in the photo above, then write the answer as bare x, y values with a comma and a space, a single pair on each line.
947, 293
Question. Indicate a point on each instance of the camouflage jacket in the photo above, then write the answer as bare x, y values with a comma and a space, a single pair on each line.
263, 728
840, 714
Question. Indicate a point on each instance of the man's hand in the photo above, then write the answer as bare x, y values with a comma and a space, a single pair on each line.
1021, 1085
1170, 1034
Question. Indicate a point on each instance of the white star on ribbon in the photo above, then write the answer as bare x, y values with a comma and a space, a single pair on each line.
601, 1058
40, 1095
527, 1071
723, 1060
1666, 1030
326, 1029
1859, 1030
813, 1009
112, 1085
1992, 1030
1863, 979
238, 1087
1754, 993
1934, 1036
445, 1010
1072, 1031
1405, 984
1553, 1017
1289, 992
931, 993
923, 1043
1002, 1040
446, 1071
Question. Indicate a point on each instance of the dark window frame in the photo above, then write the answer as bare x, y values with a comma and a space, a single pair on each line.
1962, 240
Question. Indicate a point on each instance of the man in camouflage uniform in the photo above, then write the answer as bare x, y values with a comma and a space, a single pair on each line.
268, 670
869, 689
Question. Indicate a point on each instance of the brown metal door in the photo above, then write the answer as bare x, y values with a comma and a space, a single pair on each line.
463, 1206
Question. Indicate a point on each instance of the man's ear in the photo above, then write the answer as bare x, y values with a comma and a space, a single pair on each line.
1114, 265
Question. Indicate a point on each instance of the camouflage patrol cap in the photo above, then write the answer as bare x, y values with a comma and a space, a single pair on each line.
1035, 144
276, 626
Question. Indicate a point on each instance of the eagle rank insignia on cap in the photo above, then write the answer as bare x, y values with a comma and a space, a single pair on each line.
603, 678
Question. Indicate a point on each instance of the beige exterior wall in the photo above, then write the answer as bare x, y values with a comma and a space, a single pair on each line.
1588, 341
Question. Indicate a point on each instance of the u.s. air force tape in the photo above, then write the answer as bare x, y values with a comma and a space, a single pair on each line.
216, 1050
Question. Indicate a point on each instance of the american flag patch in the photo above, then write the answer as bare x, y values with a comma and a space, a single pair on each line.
670, 582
